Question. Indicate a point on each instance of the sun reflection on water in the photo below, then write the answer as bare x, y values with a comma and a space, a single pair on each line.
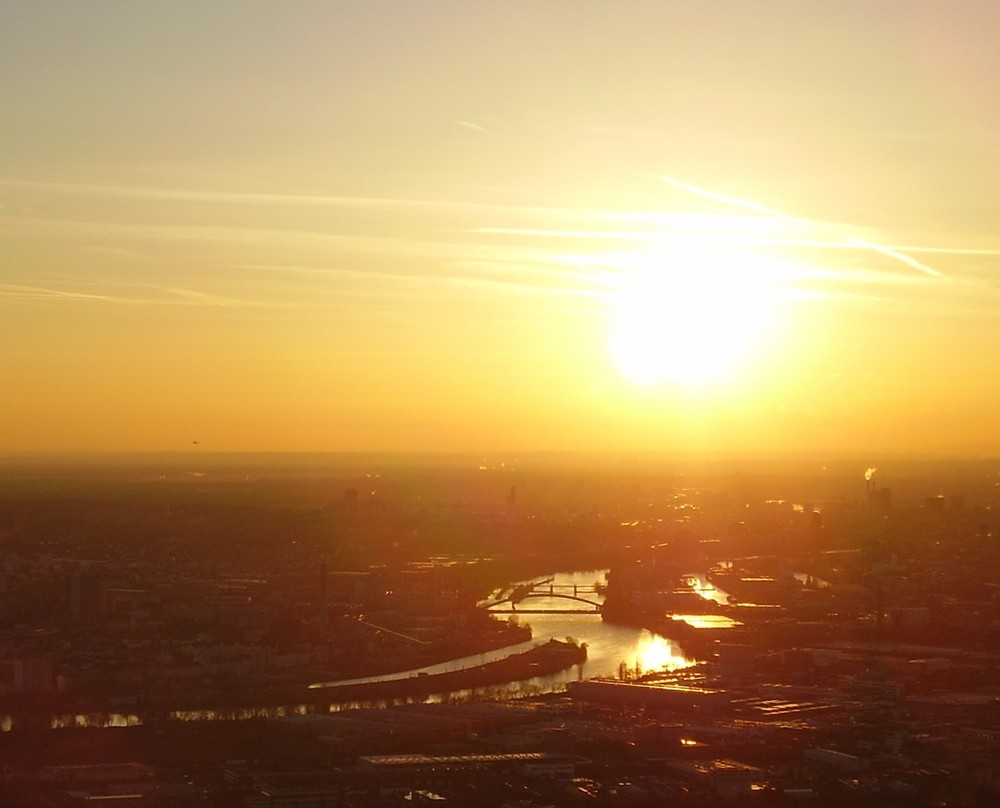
707, 620
656, 653
706, 588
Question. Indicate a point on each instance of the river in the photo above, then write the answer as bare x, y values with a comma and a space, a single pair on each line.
610, 647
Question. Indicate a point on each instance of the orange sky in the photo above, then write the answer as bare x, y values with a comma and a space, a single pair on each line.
487, 226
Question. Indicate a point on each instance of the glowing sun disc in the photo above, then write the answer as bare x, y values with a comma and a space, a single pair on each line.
689, 314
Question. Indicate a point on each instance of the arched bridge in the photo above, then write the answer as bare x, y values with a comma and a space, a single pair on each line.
549, 591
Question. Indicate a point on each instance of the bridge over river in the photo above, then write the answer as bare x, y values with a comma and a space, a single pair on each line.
550, 598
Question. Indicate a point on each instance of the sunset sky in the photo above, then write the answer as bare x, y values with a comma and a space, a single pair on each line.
500, 226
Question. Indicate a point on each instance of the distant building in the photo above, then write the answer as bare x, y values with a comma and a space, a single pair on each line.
729, 779
832, 760
30, 674
437, 767
880, 499
935, 505
649, 695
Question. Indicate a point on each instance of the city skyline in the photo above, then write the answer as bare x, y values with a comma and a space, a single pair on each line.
453, 227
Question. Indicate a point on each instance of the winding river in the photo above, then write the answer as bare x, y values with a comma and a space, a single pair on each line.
610, 647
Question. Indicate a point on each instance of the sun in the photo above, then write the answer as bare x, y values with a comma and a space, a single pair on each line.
689, 313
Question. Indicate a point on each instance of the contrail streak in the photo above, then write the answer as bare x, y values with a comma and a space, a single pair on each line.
888, 252
891, 253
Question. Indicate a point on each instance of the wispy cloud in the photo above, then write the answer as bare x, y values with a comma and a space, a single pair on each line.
732, 201
45, 293
159, 194
735, 230
227, 197
192, 297
527, 278
588, 235
860, 245
513, 248
161, 296
460, 248
115, 252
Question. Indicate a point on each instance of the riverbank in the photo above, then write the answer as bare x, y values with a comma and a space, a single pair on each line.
694, 641
549, 658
